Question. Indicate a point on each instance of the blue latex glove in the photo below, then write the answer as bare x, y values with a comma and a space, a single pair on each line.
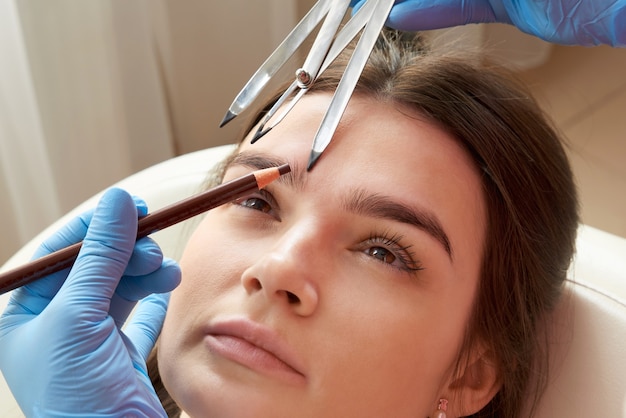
62, 351
569, 22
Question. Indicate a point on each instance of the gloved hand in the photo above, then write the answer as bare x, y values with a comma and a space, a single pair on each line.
62, 351
569, 22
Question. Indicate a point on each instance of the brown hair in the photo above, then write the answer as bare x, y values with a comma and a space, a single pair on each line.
529, 191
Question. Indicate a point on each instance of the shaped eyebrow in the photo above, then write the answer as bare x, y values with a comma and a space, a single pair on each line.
384, 207
357, 201
258, 161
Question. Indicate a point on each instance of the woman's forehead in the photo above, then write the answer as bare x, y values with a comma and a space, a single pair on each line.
374, 140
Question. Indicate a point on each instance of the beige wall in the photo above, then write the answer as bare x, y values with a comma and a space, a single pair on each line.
209, 50
81, 107
584, 91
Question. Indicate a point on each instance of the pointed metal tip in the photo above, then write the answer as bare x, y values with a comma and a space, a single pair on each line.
229, 116
260, 133
313, 159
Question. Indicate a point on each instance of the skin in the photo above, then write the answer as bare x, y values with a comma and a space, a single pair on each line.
365, 334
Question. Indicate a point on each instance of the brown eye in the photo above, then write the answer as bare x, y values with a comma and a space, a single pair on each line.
382, 254
388, 250
256, 204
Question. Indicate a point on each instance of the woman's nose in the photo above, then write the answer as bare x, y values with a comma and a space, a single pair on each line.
285, 275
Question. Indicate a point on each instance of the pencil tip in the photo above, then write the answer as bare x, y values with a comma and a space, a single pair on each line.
260, 133
229, 116
268, 175
313, 159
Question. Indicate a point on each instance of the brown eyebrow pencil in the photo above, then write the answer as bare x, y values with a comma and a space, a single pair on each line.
152, 222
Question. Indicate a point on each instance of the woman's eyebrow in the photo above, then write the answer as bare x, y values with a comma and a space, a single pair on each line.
358, 201
379, 206
259, 161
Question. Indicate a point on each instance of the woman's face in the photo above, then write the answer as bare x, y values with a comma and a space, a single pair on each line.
343, 291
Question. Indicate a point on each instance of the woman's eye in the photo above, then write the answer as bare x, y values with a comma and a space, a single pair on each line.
262, 201
256, 203
382, 254
389, 251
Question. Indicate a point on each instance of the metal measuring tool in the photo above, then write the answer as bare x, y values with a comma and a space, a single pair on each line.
328, 44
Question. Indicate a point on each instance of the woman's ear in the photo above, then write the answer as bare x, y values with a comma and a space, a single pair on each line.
477, 385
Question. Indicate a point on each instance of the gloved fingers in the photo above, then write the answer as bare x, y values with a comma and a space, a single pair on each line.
356, 5
104, 256
145, 325
76, 229
34, 297
134, 288
146, 273
70, 233
146, 258
164, 278
417, 15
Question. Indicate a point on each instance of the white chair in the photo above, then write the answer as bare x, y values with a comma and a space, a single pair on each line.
588, 377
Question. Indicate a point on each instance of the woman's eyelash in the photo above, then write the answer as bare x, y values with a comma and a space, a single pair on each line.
402, 253
261, 201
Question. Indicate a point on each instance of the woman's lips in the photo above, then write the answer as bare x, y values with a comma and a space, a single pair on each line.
256, 347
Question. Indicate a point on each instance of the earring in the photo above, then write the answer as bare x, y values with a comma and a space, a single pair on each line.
441, 409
